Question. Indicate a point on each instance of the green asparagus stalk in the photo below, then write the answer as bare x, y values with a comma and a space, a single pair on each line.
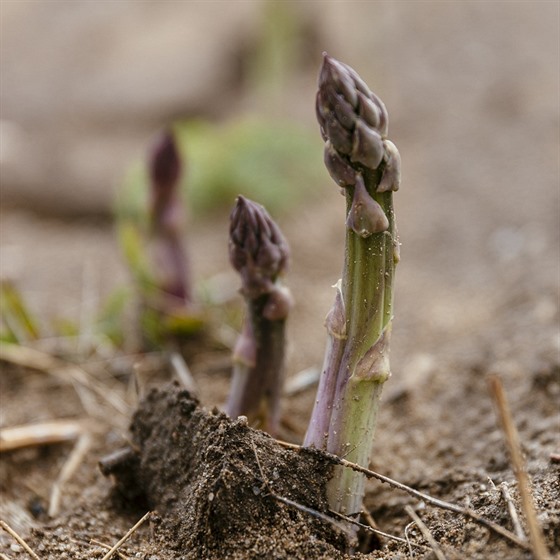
259, 252
366, 165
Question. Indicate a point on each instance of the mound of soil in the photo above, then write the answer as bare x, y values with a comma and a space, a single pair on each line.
220, 486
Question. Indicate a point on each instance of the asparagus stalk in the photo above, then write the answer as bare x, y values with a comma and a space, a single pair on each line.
167, 224
259, 252
366, 165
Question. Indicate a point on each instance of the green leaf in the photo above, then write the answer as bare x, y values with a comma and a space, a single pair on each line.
19, 323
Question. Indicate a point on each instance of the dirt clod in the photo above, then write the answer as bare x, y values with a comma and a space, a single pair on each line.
218, 485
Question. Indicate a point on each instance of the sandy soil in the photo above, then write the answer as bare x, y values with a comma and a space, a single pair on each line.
438, 431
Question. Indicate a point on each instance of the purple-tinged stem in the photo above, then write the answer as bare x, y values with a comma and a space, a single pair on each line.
171, 270
366, 165
259, 252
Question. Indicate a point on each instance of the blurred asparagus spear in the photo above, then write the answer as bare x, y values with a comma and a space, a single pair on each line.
152, 238
366, 165
167, 218
259, 252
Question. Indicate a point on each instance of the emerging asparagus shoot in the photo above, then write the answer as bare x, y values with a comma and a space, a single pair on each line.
259, 252
366, 165
167, 223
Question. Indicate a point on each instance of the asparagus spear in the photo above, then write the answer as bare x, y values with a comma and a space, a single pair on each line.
366, 165
259, 252
167, 222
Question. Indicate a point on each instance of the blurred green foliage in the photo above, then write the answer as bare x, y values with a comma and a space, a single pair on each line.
156, 323
274, 163
18, 323
112, 318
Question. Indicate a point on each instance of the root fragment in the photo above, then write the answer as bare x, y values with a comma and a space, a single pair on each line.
128, 534
436, 502
19, 539
426, 533
71, 465
511, 437
517, 527
31, 435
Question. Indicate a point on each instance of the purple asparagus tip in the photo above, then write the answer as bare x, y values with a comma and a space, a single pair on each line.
164, 167
164, 162
257, 248
354, 124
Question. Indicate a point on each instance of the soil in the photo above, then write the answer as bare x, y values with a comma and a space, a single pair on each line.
197, 471
476, 123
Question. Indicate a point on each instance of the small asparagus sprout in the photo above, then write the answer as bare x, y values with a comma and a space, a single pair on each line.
366, 165
171, 269
259, 252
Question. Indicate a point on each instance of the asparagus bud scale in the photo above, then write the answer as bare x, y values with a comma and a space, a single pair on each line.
361, 160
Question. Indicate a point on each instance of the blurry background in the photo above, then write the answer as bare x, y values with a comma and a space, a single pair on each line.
472, 90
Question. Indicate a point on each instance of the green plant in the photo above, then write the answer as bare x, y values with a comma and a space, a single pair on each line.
18, 323
366, 165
